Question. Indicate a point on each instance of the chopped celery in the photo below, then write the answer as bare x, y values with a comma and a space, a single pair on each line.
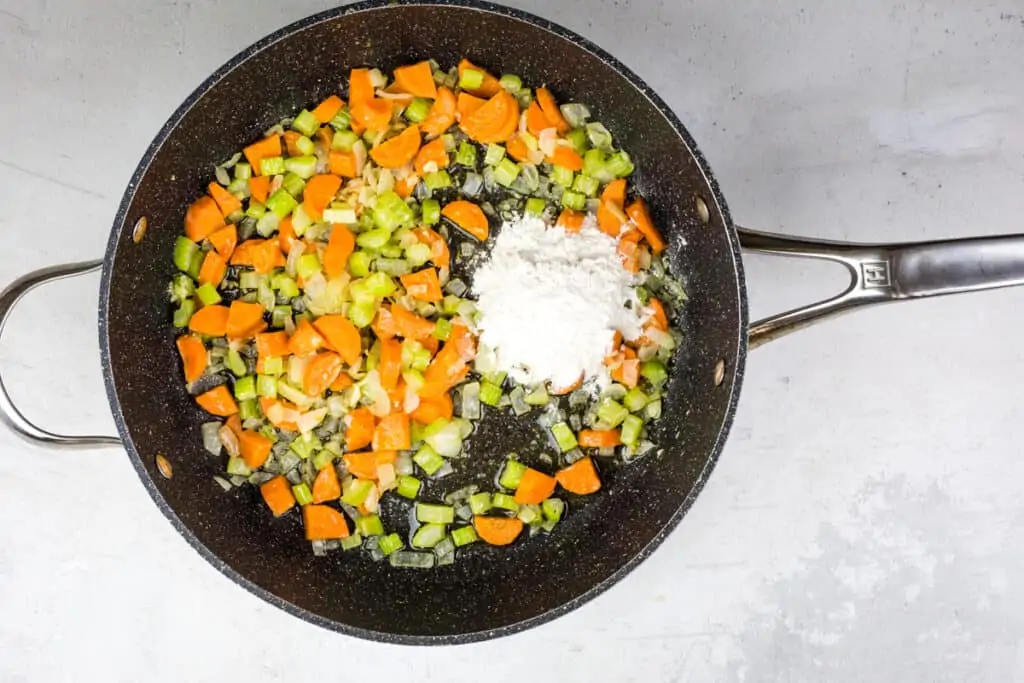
445, 436
322, 459
391, 212
390, 251
301, 220
306, 123
273, 366
530, 514
578, 138
429, 513
362, 314
428, 535
431, 211
304, 446
249, 279
586, 185
512, 474
352, 542
417, 254
343, 140
280, 316
611, 412
293, 184
390, 543
595, 165
235, 363
619, 164
490, 394
243, 171
237, 467
418, 109
281, 203
512, 83
370, 525
574, 200
182, 287
466, 156
631, 428
359, 263
266, 386
652, 370
268, 223
245, 388
286, 285
208, 294
240, 188
303, 496
553, 509
575, 114
340, 213
271, 165
537, 397
494, 154
305, 145
506, 172
354, 492
503, 501
184, 313
373, 239
341, 119
304, 166
471, 79
248, 409
653, 410
409, 487
428, 459
307, 266
379, 284
535, 206
266, 430
561, 176
564, 437
437, 180
186, 252
599, 136
480, 503
255, 209
442, 329
635, 400
464, 535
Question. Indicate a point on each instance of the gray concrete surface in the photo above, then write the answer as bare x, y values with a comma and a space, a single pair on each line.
864, 522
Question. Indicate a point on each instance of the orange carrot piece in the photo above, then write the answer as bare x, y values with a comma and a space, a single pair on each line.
255, 153
628, 249
224, 241
439, 254
423, 285
193, 356
580, 477
450, 365
405, 187
321, 372
551, 111
390, 366
658, 317
226, 202
234, 423
466, 105
498, 530
392, 433
272, 344
566, 157
243, 319
342, 163
281, 414
286, 236
277, 493
326, 110
517, 149
434, 153
398, 151
534, 488
359, 425
362, 465
627, 371
319, 191
409, 325
570, 221
213, 270
360, 87
266, 256
489, 87
255, 448
342, 336
341, 383
210, 320
416, 79
218, 401
202, 218
291, 139
568, 389
383, 324
305, 340
599, 438
259, 187
639, 214
610, 210
441, 115
495, 121
467, 216
323, 523
374, 114
326, 486
431, 409
535, 119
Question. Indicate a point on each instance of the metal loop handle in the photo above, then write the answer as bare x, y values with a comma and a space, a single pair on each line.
9, 413
883, 273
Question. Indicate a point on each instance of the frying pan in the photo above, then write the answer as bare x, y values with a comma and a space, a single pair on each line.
488, 592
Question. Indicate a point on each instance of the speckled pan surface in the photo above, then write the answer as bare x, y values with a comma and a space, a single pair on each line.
488, 592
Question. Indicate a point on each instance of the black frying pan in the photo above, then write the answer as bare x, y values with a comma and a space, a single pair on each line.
488, 592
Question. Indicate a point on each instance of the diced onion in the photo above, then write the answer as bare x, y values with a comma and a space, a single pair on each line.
211, 437
229, 440
308, 421
547, 141
471, 401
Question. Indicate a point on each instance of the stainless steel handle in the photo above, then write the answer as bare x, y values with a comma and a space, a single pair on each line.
882, 273
9, 413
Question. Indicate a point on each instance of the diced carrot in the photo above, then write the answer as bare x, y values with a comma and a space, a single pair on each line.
466, 105
281, 414
374, 114
326, 486
255, 448
193, 356
432, 157
571, 221
243, 319
404, 187
259, 187
637, 211
658, 317
291, 139
360, 86
272, 344
342, 335
324, 136
567, 389
326, 110
224, 241
409, 325
277, 493
210, 320
628, 249
439, 254
319, 191
286, 236
359, 425
467, 216
305, 340
213, 270
218, 401
627, 371
535, 119
517, 149
498, 530
423, 285
202, 218
321, 372
416, 79
255, 153
266, 256
392, 433
323, 523
494, 121
234, 423
566, 157
579, 477
390, 366
490, 85
441, 115
362, 465
450, 365
384, 324
431, 409
610, 211
598, 438
342, 163
342, 382
551, 111
226, 202
534, 488
398, 151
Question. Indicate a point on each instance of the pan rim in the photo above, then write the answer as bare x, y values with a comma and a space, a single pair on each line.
155, 147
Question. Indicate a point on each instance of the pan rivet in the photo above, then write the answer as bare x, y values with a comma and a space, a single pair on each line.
164, 465
702, 210
719, 372
139, 231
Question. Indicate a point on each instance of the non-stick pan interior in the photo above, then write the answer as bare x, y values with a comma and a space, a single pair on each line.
488, 591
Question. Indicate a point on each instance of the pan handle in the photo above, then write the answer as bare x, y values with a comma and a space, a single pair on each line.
9, 413
882, 273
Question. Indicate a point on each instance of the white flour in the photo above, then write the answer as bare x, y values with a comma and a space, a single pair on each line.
550, 302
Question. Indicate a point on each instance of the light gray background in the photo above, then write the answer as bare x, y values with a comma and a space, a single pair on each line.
864, 521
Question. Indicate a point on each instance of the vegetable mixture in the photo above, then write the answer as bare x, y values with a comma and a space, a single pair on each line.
321, 322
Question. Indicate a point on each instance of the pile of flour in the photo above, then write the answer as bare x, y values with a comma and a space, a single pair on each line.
551, 301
